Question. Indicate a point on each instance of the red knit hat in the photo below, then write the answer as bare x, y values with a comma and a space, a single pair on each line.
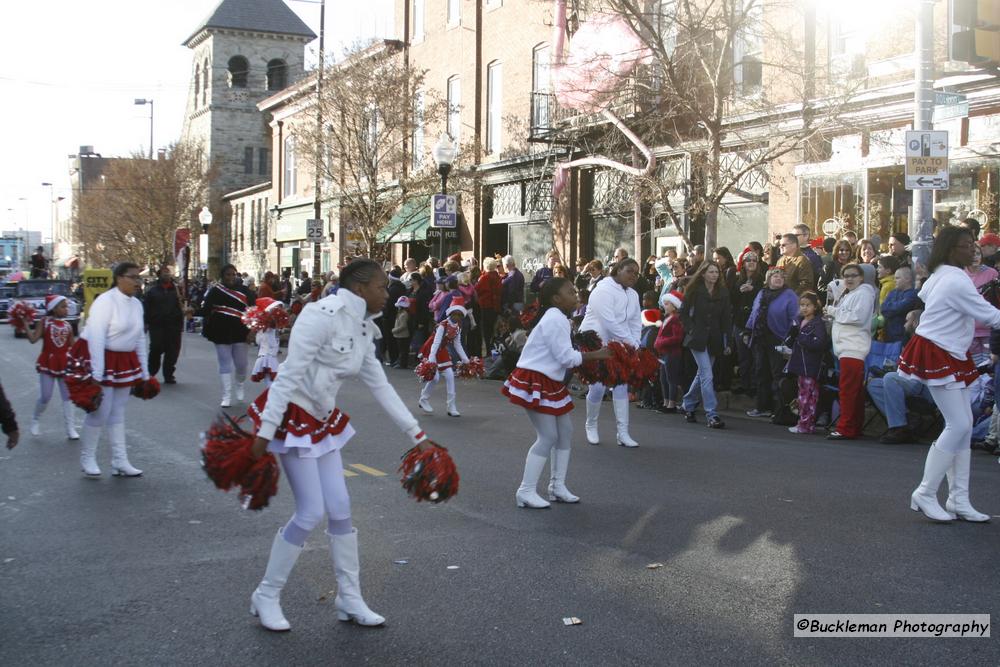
53, 300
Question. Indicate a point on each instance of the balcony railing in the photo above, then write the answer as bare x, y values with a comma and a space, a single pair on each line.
550, 121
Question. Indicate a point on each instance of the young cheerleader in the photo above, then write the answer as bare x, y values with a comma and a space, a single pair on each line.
57, 337
537, 386
806, 360
447, 335
266, 366
669, 345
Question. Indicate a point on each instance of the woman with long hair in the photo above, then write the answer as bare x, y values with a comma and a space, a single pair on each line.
842, 255
613, 313
748, 284
537, 386
938, 356
223, 309
116, 342
727, 265
297, 418
708, 319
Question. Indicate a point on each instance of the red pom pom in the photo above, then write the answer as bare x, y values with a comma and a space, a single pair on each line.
85, 394
257, 319
228, 462
590, 371
646, 368
21, 316
430, 474
426, 370
297, 307
528, 315
474, 369
146, 389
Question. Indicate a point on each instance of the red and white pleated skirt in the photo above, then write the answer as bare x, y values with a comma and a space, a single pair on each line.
121, 369
924, 361
536, 391
299, 423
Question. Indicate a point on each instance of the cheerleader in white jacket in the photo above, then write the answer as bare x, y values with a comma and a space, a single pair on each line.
537, 385
332, 343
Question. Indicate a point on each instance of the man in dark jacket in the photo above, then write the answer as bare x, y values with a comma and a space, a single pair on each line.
164, 316
8, 421
396, 289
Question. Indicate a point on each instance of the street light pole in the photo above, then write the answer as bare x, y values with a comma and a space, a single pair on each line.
205, 218
140, 101
921, 225
444, 154
317, 201
52, 222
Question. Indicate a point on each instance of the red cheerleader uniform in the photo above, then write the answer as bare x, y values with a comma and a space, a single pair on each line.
448, 331
56, 335
537, 382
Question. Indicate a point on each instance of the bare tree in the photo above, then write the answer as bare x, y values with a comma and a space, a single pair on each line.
133, 213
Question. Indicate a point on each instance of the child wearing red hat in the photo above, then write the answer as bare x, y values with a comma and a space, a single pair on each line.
669, 347
57, 337
447, 335
267, 321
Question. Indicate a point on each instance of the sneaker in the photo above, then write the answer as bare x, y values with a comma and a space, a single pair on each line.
715, 422
169, 380
758, 413
794, 429
668, 411
689, 417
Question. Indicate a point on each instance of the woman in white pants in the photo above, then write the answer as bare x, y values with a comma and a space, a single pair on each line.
116, 342
613, 312
938, 356
223, 309
332, 343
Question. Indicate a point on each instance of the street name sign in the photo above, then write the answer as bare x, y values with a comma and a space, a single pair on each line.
314, 230
947, 112
948, 99
444, 211
927, 160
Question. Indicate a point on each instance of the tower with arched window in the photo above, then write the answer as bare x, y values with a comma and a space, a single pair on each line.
242, 53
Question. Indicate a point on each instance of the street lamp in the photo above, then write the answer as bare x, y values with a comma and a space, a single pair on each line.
52, 220
140, 101
444, 155
205, 218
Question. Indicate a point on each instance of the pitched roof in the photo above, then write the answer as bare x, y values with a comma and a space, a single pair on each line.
257, 16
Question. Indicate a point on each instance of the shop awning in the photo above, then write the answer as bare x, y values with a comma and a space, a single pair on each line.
410, 223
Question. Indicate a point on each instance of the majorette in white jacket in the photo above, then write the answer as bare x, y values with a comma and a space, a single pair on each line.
333, 341
549, 349
115, 323
852, 322
953, 305
613, 312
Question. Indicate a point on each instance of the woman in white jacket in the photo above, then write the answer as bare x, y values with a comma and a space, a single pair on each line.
852, 340
613, 311
332, 343
938, 356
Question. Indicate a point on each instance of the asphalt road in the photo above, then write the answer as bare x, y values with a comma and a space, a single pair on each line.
751, 525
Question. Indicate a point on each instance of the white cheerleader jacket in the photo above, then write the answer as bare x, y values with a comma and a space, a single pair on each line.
549, 349
613, 312
115, 323
332, 342
953, 306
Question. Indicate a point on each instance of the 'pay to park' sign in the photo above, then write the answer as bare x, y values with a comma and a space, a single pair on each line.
927, 160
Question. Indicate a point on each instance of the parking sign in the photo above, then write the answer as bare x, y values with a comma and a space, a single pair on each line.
444, 211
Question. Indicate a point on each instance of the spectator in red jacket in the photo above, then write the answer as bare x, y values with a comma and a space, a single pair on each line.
488, 290
669, 345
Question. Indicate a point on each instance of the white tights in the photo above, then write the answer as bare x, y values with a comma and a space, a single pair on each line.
319, 488
596, 392
449, 384
552, 431
232, 358
45, 386
957, 412
112, 410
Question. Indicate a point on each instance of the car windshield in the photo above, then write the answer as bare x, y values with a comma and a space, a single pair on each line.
33, 289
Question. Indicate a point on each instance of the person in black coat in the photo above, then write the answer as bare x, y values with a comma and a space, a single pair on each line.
749, 282
396, 289
163, 312
8, 421
707, 315
223, 308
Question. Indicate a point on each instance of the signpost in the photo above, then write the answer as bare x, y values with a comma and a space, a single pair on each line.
314, 230
444, 216
927, 160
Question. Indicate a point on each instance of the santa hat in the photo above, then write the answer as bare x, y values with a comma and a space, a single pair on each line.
816, 243
675, 298
402, 302
457, 305
267, 303
742, 255
53, 300
651, 317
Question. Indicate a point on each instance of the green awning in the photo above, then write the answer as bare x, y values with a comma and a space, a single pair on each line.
410, 223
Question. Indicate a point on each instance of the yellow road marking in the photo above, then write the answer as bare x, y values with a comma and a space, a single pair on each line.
374, 472
348, 473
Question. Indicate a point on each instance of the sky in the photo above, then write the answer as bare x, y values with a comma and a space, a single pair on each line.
70, 71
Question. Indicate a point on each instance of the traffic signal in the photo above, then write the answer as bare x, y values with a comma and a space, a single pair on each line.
975, 36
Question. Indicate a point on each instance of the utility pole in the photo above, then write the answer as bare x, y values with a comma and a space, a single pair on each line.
921, 222
318, 200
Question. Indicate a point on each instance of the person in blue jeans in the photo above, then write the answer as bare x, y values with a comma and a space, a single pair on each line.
707, 315
889, 394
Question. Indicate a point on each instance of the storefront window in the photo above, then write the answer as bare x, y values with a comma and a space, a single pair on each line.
888, 202
974, 193
741, 223
838, 197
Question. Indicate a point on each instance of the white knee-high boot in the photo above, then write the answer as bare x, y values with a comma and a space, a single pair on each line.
958, 489
36, 426
347, 566
239, 385
558, 464
425, 396
527, 493
621, 418
120, 467
593, 412
88, 450
924, 498
70, 419
227, 389
265, 603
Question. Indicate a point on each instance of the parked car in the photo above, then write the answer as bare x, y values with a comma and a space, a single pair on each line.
33, 292
6, 294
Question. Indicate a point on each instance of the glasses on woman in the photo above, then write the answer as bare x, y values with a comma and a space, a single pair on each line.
850, 276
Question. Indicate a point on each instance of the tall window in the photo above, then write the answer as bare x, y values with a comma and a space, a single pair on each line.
265, 218
277, 74
239, 70
197, 85
418, 20
248, 160
289, 188
541, 97
494, 106
204, 81
418, 131
243, 220
371, 139
253, 225
454, 107
454, 12
264, 162
748, 50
